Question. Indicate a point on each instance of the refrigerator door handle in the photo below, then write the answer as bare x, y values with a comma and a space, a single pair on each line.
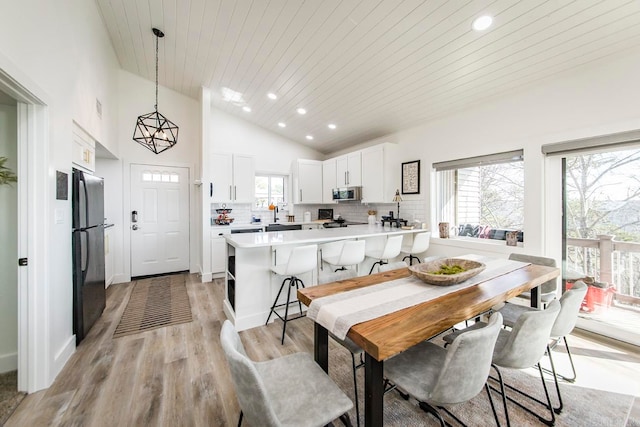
84, 252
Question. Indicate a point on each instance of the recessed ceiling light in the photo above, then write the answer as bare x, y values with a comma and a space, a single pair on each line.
282, 125
482, 23
309, 137
331, 126
247, 109
272, 96
301, 111
231, 95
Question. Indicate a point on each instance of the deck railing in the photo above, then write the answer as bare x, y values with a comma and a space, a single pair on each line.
609, 261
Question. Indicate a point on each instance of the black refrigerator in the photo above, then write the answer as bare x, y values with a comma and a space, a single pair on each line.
89, 294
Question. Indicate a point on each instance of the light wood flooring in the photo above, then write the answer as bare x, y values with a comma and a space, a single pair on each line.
177, 376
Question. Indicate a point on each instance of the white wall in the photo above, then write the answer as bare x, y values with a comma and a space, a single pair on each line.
136, 96
273, 153
8, 244
61, 47
599, 99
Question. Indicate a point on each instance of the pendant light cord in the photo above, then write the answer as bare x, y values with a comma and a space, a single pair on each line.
156, 106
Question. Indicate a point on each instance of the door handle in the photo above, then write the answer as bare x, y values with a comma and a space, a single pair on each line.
134, 227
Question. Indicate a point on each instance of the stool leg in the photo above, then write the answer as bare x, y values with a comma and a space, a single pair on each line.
276, 300
286, 308
299, 303
373, 266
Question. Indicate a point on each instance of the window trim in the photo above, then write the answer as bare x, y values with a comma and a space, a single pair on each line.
488, 159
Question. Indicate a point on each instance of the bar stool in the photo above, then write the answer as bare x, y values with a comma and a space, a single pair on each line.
351, 253
302, 259
420, 244
390, 250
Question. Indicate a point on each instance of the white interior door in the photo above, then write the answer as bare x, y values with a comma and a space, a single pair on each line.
159, 219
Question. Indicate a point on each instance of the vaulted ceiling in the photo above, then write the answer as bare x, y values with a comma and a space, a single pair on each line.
371, 67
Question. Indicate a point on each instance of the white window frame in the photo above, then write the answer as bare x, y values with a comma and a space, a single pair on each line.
285, 179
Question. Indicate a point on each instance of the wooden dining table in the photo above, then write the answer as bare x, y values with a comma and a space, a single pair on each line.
388, 335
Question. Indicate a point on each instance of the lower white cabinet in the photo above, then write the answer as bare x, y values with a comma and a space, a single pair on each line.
218, 252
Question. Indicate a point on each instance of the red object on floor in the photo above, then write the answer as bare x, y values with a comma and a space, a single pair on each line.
597, 300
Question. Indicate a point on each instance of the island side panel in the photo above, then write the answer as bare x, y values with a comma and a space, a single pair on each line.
252, 287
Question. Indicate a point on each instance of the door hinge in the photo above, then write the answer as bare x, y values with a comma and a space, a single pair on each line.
22, 262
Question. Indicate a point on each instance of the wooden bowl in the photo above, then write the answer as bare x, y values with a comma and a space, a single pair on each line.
426, 271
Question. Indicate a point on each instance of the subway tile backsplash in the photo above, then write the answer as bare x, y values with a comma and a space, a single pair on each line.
243, 213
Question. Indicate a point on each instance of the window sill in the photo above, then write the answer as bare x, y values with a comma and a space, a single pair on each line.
482, 245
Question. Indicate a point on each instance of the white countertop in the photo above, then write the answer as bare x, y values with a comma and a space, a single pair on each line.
298, 237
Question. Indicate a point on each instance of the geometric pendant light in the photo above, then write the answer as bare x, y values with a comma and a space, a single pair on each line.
153, 130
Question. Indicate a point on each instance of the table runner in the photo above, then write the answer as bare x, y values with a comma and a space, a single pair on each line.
339, 312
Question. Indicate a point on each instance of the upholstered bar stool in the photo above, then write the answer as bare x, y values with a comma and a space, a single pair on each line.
303, 259
390, 250
420, 244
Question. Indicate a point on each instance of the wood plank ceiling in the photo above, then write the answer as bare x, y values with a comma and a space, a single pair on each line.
371, 67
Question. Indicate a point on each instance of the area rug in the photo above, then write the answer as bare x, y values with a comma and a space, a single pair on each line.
10, 397
154, 303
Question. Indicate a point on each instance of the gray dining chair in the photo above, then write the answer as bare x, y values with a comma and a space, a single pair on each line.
548, 290
520, 348
439, 377
288, 391
565, 323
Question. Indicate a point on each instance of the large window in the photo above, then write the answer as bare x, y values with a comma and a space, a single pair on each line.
482, 197
270, 189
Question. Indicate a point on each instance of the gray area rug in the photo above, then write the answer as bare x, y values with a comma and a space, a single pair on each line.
582, 406
10, 398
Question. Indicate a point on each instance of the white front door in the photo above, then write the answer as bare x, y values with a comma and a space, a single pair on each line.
159, 219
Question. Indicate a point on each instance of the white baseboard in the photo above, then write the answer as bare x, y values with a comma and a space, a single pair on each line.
8, 362
62, 356
120, 278
206, 277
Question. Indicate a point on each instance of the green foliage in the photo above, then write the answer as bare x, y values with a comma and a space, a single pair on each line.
6, 175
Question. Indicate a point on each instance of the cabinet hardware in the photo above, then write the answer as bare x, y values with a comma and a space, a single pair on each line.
22, 262
211, 189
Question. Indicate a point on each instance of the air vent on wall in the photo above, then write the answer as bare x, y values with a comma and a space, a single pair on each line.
99, 108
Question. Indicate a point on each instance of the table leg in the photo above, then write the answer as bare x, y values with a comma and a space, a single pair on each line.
321, 346
536, 302
373, 391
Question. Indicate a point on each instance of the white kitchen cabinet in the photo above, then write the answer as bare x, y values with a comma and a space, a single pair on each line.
84, 150
232, 178
380, 173
218, 252
328, 180
307, 181
349, 170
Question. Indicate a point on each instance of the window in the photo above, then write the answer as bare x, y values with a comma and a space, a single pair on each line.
482, 197
270, 189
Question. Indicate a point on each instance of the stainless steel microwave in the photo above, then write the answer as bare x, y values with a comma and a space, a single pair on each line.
347, 194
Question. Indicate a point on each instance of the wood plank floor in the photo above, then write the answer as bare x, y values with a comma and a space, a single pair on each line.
177, 376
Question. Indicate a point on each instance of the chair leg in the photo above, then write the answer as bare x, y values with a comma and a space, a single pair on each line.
381, 262
346, 420
355, 388
504, 395
547, 405
286, 309
433, 411
573, 367
273, 307
555, 379
240, 419
493, 408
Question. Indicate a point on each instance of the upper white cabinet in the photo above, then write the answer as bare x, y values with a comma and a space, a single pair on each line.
307, 181
232, 178
328, 180
349, 170
84, 150
380, 173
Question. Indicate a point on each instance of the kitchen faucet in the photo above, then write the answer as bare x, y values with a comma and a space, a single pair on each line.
275, 212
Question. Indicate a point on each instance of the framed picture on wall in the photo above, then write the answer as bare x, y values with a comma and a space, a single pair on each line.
411, 177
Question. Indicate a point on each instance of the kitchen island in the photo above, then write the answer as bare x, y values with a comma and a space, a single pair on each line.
250, 285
